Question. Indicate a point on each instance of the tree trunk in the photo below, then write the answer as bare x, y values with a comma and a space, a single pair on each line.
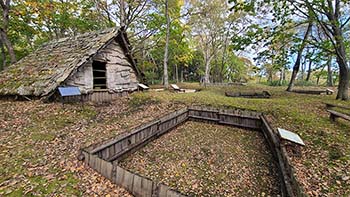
3, 30
3, 56
207, 71
8, 46
329, 72
269, 78
281, 77
182, 74
122, 13
309, 71
297, 62
318, 77
224, 54
303, 69
216, 71
343, 85
176, 74
166, 80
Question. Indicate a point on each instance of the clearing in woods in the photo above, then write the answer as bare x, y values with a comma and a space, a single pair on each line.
39, 141
209, 160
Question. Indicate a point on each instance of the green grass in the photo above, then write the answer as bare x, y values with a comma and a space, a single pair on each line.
37, 137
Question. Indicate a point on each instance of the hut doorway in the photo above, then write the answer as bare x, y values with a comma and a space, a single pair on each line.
99, 75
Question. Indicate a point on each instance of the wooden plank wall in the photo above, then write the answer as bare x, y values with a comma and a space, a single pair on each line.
236, 117
104, 159
132, 141
223, 84
136, 184
290, 185
96, 97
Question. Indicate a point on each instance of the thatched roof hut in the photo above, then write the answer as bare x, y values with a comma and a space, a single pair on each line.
94, 62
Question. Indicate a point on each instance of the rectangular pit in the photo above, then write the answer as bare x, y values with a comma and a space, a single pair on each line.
105, 159
209, 160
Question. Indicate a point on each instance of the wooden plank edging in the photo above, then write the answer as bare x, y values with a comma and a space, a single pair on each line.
291, 186
140, 128
141, 186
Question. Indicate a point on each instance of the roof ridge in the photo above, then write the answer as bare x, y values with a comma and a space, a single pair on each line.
80, 35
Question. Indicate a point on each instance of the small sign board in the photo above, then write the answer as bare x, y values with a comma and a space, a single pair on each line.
329, 91
69, 91
175, 87
290, 136
143, 86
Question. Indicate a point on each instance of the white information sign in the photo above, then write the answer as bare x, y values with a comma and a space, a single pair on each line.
290, 136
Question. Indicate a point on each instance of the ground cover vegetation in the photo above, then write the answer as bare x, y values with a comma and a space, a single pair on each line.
39, 141
299, 44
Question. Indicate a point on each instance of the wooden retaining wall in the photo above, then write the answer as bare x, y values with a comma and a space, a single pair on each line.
130, 142
263, 94
96, 97
236, 117
136, 184
290, 185
223, 84
104, 159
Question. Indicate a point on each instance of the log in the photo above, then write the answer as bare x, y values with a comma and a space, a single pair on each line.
330, 105
316, 92
263, 94
334, 115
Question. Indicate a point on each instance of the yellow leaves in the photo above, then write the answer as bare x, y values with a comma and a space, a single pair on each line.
180, 3
30, 3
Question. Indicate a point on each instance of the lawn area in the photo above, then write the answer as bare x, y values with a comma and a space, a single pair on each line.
39, 142
201, 159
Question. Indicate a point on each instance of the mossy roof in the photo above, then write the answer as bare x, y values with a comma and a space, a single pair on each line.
42, 71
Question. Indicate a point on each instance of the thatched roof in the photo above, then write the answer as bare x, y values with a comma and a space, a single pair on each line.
39, 73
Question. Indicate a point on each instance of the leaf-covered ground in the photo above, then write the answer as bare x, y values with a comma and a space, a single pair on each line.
324, 168
201, 159
39, 142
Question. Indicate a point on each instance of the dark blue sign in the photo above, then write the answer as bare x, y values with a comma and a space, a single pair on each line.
69, 91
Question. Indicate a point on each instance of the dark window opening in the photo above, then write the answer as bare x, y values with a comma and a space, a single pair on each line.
99, 75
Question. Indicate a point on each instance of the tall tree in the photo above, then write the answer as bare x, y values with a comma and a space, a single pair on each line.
5, 5
122, 13
299, 56
165, 75
208, 27
329, 72
330, 16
